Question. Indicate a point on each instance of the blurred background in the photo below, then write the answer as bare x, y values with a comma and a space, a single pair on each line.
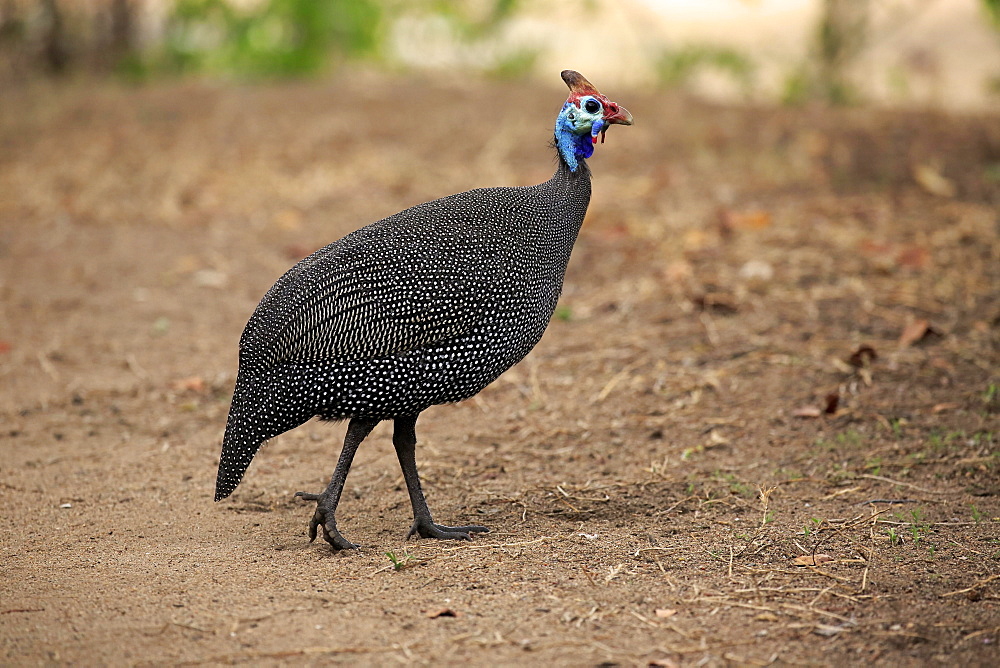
928, 53
789, 275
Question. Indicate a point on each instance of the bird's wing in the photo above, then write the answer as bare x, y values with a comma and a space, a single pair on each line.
373, 293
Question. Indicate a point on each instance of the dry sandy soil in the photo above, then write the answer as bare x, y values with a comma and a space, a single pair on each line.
763, 427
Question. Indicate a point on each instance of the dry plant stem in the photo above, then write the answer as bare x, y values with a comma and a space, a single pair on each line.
974, 587
857, 521
870, 476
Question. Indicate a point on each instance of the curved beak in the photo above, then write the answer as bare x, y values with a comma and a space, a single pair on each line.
616, 116
619, 116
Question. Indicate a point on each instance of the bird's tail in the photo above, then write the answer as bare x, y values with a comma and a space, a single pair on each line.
263, 407
239, 444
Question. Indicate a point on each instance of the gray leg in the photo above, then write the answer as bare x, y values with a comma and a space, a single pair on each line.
404, 438
326, 502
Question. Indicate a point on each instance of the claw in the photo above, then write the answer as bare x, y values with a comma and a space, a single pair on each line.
313, 523
323, 517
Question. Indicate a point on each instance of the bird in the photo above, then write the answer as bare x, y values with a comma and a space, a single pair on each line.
425, 307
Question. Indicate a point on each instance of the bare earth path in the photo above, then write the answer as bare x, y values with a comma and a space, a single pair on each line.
763, 429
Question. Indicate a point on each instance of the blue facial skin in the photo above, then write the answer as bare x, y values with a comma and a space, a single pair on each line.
576, 129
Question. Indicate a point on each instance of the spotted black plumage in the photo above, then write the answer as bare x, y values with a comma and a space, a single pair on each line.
425, 307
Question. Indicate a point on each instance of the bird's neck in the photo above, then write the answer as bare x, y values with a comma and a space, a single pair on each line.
573, 147
572, 170
572, 164
571, 188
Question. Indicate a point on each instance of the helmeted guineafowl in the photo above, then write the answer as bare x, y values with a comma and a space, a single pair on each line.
425, 307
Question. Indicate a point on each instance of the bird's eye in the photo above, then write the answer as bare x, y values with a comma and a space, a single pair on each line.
592, 106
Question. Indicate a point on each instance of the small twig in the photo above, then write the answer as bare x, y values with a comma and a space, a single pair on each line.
47, 366
973, 587
889, 501
684, 500
486, 546
711, 331
657, 549
980, 632
133, 365
840, 492
818, 611
967, 549
817, 571
737, 604
931, 524
610, 385
644, 620
869, 476
852, 524
582, 498
569, 505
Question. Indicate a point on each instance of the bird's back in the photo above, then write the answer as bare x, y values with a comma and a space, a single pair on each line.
484, 258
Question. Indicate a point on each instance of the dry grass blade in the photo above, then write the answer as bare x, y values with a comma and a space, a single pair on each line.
870, 476
978, 585
614, 381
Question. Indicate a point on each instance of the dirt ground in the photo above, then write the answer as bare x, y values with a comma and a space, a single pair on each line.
763, 427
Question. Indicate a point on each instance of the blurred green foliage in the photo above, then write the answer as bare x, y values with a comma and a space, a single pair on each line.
471, 20
992, 8
278, 38
676, 68
288, 38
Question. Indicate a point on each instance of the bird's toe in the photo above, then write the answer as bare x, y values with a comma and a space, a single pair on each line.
427, 529
324, 517
332, 536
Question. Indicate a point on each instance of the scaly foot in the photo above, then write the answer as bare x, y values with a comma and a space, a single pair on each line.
428, 529
324, 517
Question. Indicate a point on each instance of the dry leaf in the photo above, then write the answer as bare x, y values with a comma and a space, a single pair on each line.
916, 332
661, 663
940, 408
663, 613
717, 302
695, 240
288, 219
297, 251
832, 401
862, 357
186, 264
191, 384
210, 278
913, 332
943, 364
750, 220
931, 180
913, 257
678, 271
614, 232
766, 617
442, 612
808, 560
757, 270
874, 249
807, 412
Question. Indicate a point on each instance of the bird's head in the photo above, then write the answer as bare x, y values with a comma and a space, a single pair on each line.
585, 115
